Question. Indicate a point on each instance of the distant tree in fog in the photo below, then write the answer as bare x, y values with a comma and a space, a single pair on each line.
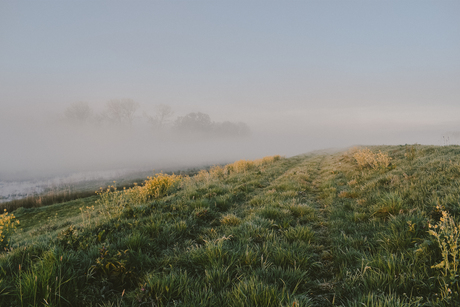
201, 123
231, 129
163, 115
78, 113
121, 111
193, 122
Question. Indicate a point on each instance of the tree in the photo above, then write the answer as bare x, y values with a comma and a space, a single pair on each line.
121, 111
163, 114
78, 113
193, 122
232, 129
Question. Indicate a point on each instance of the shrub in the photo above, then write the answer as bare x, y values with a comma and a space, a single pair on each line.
110, 197
69, 237
154, 187
203, 176
267, 160
7, 226
447, 234
216, 172
242, 166
367, 159
112, 265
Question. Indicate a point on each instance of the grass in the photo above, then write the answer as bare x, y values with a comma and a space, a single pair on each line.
311, 230
47, 199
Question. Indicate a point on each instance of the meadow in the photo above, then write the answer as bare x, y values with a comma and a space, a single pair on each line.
375, 226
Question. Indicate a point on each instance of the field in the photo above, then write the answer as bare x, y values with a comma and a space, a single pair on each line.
372, 226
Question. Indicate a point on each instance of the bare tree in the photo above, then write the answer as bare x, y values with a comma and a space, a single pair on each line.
163, 114
78, 113
121, 111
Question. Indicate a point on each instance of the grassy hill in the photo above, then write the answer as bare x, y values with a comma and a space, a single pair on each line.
361, 227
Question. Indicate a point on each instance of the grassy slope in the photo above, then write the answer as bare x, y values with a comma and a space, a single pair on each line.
312, 230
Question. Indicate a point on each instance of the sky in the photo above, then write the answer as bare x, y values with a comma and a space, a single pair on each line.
304, 75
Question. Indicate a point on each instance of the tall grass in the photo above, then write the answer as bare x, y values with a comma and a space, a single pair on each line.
47, 199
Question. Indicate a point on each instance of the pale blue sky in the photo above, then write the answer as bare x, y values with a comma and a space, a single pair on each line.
335, 72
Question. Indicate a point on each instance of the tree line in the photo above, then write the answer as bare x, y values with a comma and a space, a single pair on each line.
121, 113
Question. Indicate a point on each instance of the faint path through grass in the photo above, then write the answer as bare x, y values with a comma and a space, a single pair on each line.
322, 194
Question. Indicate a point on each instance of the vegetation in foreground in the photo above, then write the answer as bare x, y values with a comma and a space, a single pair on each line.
365, 227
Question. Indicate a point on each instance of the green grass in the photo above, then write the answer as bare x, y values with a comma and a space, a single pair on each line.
311, 230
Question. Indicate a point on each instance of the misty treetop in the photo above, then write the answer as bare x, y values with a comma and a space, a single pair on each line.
117, 112
78, 113
201, 123
121, 113
162, 118
193, 122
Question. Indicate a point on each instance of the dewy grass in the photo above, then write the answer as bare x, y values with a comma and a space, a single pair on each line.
310, 230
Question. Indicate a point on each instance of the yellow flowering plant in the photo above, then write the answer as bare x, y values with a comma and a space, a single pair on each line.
367, 159
241, 166
158, 185
154, 187
7, 227
447, 235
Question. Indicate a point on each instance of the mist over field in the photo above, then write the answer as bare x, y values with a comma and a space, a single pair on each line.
58, 144
102, 86
80, 138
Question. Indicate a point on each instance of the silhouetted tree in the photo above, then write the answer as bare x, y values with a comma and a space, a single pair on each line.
78, 113
121, 111
193, 122
201, 123
163, 115
231, 129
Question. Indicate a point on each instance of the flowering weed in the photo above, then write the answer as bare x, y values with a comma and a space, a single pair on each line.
447, 234
7, 227
113, 201
367, 159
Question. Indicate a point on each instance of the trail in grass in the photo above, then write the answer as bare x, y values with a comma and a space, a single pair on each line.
314, 172
324, 292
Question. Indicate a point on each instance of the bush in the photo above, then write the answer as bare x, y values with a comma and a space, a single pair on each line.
447, 234
112, 266
154, 187
7, 226
367, 159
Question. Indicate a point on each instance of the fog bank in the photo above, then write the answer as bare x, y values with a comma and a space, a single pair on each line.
43, 143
